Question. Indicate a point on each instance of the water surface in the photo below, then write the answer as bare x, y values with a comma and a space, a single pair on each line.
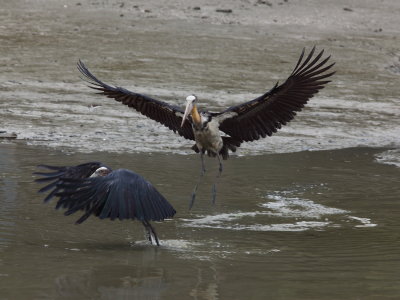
290, 222
307, 225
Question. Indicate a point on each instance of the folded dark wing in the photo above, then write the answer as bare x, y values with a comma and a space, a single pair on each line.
162, 112
56, 174
121, 194
266, 114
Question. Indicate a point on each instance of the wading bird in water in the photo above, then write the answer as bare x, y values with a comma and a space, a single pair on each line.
97, 190
245, 122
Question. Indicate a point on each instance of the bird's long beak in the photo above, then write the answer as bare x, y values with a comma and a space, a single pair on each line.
188, 110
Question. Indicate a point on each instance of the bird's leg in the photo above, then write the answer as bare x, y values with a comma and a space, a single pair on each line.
214, 188
150, 232
203, 166
203, 171
154, 234
221, 167
147, 231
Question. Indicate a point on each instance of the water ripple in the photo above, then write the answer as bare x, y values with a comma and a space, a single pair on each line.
304, 214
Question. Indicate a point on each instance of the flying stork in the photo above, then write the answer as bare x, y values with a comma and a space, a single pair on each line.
240, 123
98, 190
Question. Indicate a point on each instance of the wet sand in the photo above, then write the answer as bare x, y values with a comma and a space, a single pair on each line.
171, 50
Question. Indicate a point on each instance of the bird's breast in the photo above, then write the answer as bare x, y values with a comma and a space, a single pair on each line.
208, 137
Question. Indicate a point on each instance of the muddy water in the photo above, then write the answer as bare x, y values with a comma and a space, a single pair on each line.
307, 225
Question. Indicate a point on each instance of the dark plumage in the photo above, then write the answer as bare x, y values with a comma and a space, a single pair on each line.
162, 112
267, 113
245, 122
97, 190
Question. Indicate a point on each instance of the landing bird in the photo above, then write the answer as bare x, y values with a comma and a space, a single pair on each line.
245, 122
97, 190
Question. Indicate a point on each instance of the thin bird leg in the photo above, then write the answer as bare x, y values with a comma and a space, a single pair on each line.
214, 187
154, 234
221, 167
150, 232
147, 231
203, 171
203, 165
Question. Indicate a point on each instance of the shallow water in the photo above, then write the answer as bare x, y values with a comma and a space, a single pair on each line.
307, 225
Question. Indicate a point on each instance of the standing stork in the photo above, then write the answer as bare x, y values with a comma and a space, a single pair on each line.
98, 190
245, 122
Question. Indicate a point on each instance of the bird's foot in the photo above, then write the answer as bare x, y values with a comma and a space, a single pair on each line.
154, 240
150, 233
147, 235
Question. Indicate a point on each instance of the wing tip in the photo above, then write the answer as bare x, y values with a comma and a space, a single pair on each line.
312, 67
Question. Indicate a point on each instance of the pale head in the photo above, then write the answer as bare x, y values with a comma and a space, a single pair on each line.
191, 98
102, 171
190, 102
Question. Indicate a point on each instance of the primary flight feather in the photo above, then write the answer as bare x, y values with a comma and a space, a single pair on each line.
245, 122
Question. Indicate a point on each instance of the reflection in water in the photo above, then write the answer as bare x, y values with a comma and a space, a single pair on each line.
206, 285
8, 191
101, 283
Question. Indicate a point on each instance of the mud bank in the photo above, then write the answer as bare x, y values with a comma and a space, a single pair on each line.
225, 53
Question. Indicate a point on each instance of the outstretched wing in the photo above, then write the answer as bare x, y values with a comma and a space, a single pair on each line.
266, 114
57, 174
121, 194
162, 112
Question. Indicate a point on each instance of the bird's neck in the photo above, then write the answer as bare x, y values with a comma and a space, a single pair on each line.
195, 116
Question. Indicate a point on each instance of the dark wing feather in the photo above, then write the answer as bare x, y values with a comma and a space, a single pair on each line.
266, 114
121, 194
60, 173
162, 112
